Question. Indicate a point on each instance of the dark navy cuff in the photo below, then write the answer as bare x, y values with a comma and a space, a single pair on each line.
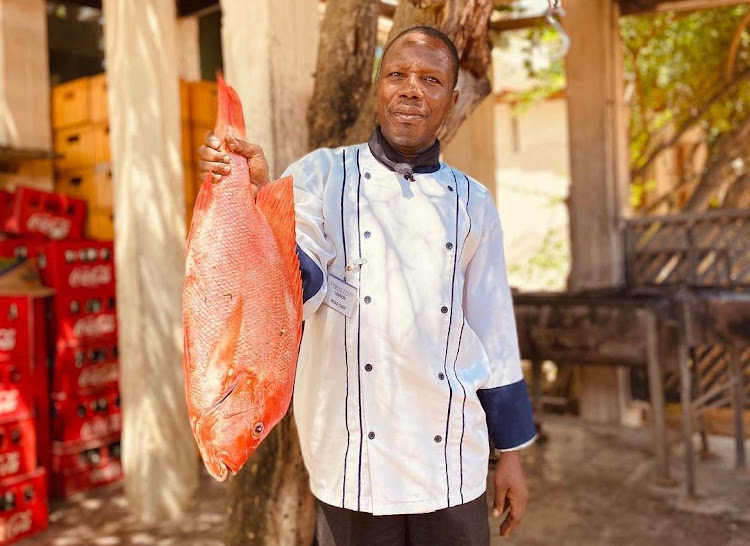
508, 410
312, 275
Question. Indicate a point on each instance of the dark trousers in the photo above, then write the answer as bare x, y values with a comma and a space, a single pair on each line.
462, 525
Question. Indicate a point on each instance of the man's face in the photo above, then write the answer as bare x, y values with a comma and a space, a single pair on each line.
414, 92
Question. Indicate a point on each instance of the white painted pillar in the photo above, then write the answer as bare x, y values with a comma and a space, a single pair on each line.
272, 67
159, 453
24, 75
188, 37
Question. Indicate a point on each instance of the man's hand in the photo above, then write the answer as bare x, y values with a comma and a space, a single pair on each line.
214, 160
510, 491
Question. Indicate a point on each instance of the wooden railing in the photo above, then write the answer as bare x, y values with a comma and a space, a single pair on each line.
705, 250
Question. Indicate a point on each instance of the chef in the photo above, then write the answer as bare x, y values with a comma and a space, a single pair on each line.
409, 358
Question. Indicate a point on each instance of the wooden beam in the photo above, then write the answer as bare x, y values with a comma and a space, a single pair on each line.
520, 23
637, 7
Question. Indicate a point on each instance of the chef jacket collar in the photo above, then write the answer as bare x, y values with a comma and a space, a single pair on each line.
425, 162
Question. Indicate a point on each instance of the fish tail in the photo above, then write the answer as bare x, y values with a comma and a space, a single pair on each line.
230, 119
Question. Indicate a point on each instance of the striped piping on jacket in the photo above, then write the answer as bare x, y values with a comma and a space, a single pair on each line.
359, 323
346, 350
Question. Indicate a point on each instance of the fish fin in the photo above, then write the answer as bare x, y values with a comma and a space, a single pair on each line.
222, 357
276, 202
230, 118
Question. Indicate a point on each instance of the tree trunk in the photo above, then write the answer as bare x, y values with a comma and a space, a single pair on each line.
720, 169
271, 500
344, 73
466, 22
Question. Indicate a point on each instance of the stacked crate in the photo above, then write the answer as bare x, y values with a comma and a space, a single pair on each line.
80, 126
80, 123
25, 450
84, 385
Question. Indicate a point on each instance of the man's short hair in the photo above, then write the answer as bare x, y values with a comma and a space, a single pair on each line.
435, 33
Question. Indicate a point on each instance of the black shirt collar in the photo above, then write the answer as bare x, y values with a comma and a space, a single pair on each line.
425, 162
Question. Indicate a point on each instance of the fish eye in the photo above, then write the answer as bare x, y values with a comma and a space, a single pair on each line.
258, 429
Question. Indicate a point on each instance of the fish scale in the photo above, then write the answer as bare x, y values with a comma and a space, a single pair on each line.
242, 307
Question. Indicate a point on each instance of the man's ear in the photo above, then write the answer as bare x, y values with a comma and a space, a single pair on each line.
455, 97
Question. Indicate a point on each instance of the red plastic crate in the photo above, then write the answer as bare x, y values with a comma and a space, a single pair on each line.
69, 483
6, 205
17, 390
23, 506
74, 266
84, 369
51, 215
84, 320
86, 417
22, 327
17, 447
23, 247
71, 457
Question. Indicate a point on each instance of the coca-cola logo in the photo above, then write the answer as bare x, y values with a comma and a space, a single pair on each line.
7, 339
9, 401
95, 427
10, 463
15, 525
90, 277
94, 326
54, 227
97, 376
105, 473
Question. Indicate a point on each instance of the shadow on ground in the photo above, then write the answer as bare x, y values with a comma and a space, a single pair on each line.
589, 486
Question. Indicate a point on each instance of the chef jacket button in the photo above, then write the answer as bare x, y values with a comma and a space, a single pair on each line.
450, 188
367, 234
371, 435
367, 175
368, 367
368, 299
441, 376
438, 439
449, 245
444, 309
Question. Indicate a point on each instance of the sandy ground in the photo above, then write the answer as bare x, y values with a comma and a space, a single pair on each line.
588, 486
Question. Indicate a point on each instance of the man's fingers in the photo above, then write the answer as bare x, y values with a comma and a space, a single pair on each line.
517, 511
212, 141
500, 502
216, 169
245, 149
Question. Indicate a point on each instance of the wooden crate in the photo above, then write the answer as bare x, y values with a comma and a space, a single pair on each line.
101, 143
203, 102
76, 183
187, 144
76, 145
103, 196
71, 103
184, 100
99, 108
189, 186
100, 224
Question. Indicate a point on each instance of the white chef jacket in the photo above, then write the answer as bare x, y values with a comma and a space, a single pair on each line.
394, 404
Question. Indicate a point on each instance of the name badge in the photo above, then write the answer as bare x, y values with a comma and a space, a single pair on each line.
341, 296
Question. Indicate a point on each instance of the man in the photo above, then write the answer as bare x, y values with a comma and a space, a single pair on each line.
410, 356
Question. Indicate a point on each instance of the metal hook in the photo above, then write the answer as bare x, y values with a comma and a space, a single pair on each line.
555, 8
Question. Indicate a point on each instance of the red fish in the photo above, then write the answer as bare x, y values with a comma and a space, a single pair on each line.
242, 306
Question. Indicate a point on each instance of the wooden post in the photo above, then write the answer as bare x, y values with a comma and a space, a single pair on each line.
159, 453
536, 392
270, 49
597, 121
24, 75
656, 392
686, 393
738, 404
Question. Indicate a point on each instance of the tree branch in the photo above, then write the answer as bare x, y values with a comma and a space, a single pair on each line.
720, 94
